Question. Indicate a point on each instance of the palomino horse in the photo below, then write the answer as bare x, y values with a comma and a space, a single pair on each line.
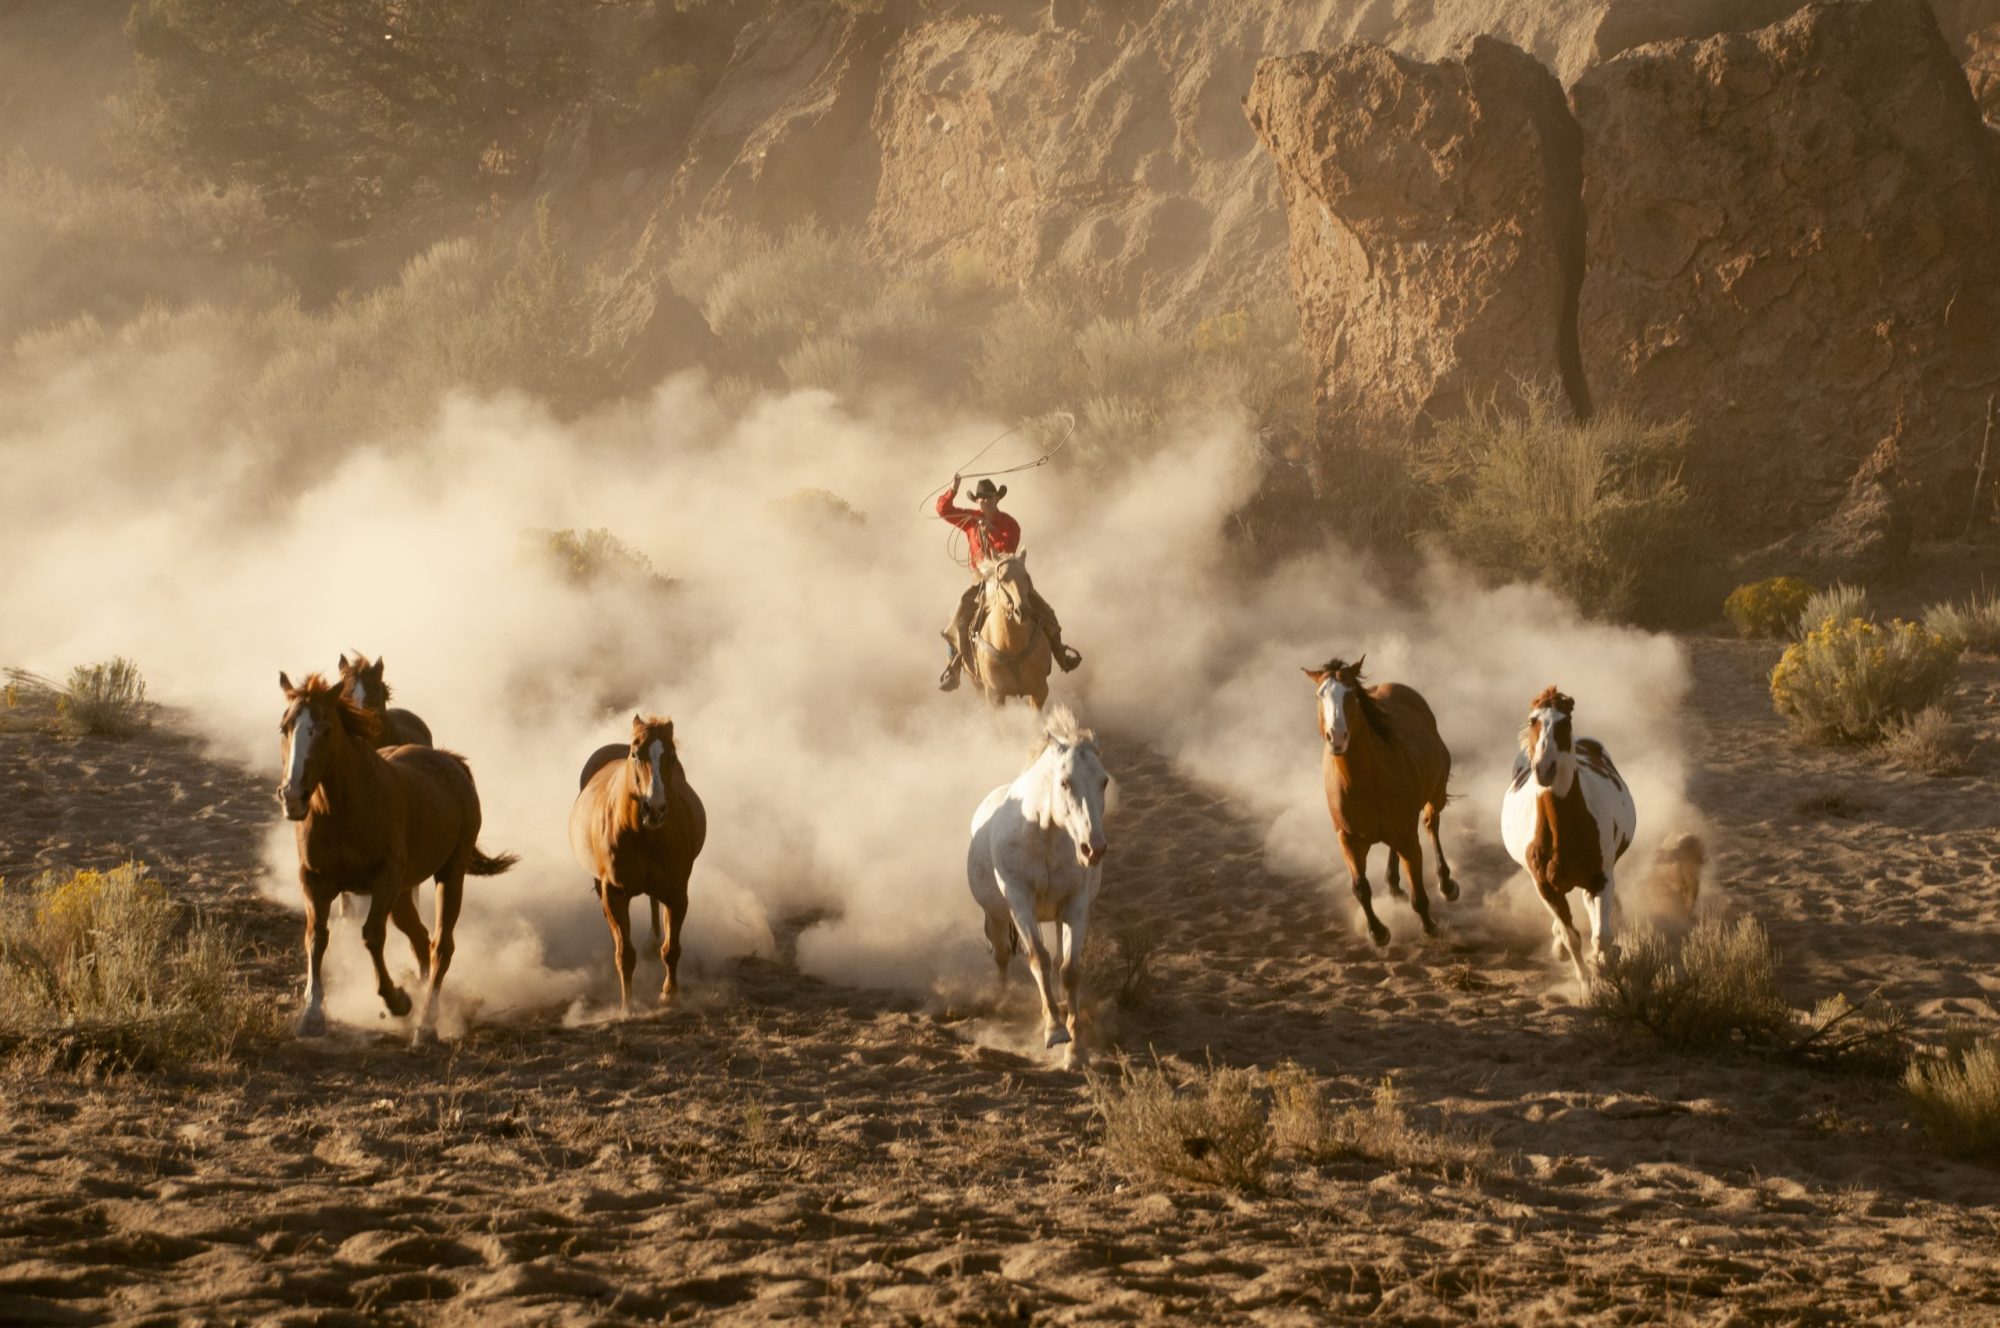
1568, 818
1037, 855
1383, 764
376, 825
637, 827
361, 681
1010, 653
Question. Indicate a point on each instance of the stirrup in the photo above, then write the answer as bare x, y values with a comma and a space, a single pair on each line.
948, 680
1067, 658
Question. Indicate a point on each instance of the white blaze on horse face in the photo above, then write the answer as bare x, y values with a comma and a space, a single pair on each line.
298, 747
1082, 784
656, 795
1333, 714
1553, 767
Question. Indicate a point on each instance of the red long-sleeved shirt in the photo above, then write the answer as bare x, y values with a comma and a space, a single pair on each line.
988, 537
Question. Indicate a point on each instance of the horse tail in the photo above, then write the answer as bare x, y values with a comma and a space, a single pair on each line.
482, 865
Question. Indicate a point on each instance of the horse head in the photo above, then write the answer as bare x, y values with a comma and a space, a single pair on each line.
1080, 787
1338, 685
314, 711
362, 681
1007, 584
1546, 741
650, 761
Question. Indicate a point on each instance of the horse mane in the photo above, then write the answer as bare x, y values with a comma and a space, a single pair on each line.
362, 725
1371, 709
1059, 725
1551, 696
647, 727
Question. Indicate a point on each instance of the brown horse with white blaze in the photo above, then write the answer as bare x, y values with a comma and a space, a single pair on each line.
637, 828
1385, 767
376, 824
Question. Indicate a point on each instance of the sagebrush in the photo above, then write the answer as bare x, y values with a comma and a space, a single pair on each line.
1205, 1127
1769, 608
1849, 680
1305, 1123
1930, 742
1714, 987
1957, 1098
1972, 625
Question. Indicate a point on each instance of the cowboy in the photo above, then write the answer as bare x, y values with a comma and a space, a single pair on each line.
990, 533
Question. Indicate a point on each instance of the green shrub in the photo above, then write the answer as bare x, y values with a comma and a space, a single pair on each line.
1838, 603
1206, 1127
1714, 987
1972, 626
1768, 608
1929, 742
1958, 1100
1850, 680
1597, 510
102, 967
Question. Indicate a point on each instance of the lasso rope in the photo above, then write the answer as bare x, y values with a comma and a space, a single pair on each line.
955, 535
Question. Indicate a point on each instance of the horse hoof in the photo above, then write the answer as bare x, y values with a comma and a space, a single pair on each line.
312, 1023
1378, 934
423, 1036
1447, 887
1074, 1057
1058, 1036
1430, 928
397, 1000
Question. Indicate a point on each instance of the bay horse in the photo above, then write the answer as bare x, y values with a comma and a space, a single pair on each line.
1037, 855
1384, 766
361, 681
1010, 655
376, 823
637, 827
1568, 817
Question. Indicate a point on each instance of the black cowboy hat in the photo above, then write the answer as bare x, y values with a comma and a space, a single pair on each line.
987, 489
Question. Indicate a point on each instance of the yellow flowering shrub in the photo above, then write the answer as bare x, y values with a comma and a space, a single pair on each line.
1768, 608
1849, 679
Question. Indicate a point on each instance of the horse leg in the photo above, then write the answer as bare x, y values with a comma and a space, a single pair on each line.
1599, 904
1023, 908
375, 933
618, 913
1433, 813
1395, 881
1075, 925
319, 904
658, 942
1000, 935
1355, 850
450, 898
1557, 902
670, 949
1412, 855
411, 923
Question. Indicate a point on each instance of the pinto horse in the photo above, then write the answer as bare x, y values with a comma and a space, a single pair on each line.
1384, 765
361, 681
1011, 655
376, 824
1037, 855
1568, 817
637, 828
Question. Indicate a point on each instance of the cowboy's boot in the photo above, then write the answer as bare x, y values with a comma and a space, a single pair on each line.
1066, 657
948, 680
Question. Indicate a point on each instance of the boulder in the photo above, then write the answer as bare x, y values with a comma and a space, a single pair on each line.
1794, 241
1434, 227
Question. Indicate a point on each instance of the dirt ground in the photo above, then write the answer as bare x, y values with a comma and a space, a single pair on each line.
777, 1148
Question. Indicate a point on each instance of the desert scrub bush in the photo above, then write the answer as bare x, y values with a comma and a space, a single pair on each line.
829, 363
1848, 680
104, 700
1025, 364
593, 558
1595, 509
1118, 963
776, 297
1929, 742
1972, 626
1714, 987
1254, 357
1767, 608
1200, 1126
1837, 603
707, 251
101, 967
1957, 1099
1306, 1124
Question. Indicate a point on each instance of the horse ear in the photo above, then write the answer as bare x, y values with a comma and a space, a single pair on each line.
1359, 660
376, 667
285, 683
344, 665
1317, 675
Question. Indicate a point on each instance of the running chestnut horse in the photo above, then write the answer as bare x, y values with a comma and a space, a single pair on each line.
376, 824
1011, 655
361, 681
1384, 766
1568, 818
637, 828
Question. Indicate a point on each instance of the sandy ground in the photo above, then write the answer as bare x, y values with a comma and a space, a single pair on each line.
778, 1148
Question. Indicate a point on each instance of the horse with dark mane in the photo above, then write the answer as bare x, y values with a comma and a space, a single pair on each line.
376, 823
1384, 766
361, 682
637, 828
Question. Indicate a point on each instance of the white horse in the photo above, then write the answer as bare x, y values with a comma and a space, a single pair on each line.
1037, 855
1568, 817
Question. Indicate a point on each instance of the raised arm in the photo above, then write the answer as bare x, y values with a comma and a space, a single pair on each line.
947, 504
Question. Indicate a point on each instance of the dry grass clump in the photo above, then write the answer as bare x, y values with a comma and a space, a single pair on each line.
1929, 742
106, 700
833, 364
1767, 608
1714, 987
1597, 510
1957, 1097
1849, 681
1837, 603
1119, 963
1972, 626
101, 969
1199, 1126
1305, 1123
